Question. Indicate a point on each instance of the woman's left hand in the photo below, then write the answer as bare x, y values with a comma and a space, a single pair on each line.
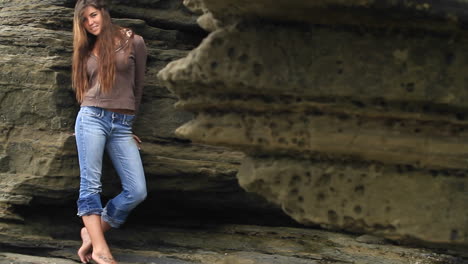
138, 140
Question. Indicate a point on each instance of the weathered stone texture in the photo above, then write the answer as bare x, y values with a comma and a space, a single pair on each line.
38, 161
357, 124
390, 200
35, 105
240, 99
227, 244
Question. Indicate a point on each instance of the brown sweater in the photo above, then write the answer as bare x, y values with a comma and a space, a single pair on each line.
129, 77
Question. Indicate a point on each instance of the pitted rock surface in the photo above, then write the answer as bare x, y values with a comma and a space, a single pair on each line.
356, 123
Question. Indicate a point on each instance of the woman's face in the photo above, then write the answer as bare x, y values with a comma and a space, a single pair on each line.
92, 20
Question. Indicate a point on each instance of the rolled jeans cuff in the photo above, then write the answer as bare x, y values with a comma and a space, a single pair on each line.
110, 211
89, 205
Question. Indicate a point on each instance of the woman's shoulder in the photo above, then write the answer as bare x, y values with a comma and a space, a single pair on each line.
127, 36
127, 33
138, 41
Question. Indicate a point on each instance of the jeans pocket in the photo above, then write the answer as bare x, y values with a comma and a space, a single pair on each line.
128, 121
91, 111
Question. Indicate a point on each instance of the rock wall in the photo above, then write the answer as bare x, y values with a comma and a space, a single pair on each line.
194, 195
352, 114
38, 161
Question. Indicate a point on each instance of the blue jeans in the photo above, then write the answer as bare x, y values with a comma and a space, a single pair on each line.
97, 129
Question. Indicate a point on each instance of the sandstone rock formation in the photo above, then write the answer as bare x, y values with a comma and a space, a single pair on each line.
352, 114
193, 189
225, 244
38, 162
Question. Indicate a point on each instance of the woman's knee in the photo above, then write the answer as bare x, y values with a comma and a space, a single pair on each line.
140, 195
136, 196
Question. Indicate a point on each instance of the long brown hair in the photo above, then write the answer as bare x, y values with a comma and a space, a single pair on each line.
83, 44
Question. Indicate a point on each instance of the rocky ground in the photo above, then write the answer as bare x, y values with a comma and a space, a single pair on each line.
233, 244
197, 236
227, 244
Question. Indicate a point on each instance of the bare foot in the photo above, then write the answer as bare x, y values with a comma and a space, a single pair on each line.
100, 258
85, 250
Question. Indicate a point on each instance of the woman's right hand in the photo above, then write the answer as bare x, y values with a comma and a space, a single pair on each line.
138, 141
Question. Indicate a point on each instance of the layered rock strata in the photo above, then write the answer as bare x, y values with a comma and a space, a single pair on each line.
38, 160
226, 244
352, 114
39, 170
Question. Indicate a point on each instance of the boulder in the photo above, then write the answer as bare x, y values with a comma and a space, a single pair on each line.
352, 114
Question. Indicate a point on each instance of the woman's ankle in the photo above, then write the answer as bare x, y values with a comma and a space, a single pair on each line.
103, 257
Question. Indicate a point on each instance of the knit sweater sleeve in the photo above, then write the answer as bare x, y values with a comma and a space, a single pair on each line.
140, 68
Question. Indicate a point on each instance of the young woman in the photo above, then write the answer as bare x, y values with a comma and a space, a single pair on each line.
108, 71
